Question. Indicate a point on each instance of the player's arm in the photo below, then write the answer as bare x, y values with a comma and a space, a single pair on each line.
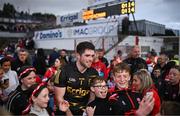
59, 93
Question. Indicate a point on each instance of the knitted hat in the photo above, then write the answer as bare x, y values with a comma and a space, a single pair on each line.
25, 71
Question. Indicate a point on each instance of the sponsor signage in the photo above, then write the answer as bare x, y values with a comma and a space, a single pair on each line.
87, 31
96, 30
48, 34
89, 14
69, 19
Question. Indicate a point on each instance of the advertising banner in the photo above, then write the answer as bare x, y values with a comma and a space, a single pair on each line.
87, 31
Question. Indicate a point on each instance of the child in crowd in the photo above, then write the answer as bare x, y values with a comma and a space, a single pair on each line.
123, 100
156, 77
38, 101
101, 103
18, 99
143, 83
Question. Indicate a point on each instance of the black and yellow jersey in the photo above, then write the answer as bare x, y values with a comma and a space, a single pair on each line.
77, 86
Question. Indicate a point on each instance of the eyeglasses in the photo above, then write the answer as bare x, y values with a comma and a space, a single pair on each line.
101, 86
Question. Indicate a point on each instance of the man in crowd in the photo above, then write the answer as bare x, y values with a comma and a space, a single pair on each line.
22, 60
102, 58
75, 78
135, 61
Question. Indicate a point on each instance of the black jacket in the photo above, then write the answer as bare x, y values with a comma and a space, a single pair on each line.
136, 64
18, 101
124, 102
17, 64
102, 106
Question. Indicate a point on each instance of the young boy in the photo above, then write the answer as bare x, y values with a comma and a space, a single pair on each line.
158, 80
100, 104
123, 100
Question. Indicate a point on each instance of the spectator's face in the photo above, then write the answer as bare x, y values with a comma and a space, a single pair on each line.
57, 63
136, 83
101, 54
42, 99
162, 59
157, 72
29, 80
100, 89
135, 52
6, 66
63, 53
174, 76
86, 58
23, 56
121, 79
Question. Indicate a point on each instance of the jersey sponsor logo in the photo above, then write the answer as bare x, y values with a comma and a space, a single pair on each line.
78, 93
72, 79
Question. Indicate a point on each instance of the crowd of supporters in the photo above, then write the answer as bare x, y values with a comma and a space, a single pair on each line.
85, 83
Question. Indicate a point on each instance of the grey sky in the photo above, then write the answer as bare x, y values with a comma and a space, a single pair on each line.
160, 11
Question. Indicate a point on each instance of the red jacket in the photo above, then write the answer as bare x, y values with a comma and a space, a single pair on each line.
49, 73
157, 101
101, 68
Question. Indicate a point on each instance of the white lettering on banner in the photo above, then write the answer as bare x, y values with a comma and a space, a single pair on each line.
48, 34
69, 18
101, 30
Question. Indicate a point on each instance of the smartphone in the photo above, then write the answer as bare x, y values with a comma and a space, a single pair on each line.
149, 95
6, 80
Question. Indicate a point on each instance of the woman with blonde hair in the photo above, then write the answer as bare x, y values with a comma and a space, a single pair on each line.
142, 82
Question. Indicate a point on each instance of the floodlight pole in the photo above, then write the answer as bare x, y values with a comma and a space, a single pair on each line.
137, 32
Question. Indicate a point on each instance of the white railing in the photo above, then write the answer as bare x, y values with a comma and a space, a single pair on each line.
12, 35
